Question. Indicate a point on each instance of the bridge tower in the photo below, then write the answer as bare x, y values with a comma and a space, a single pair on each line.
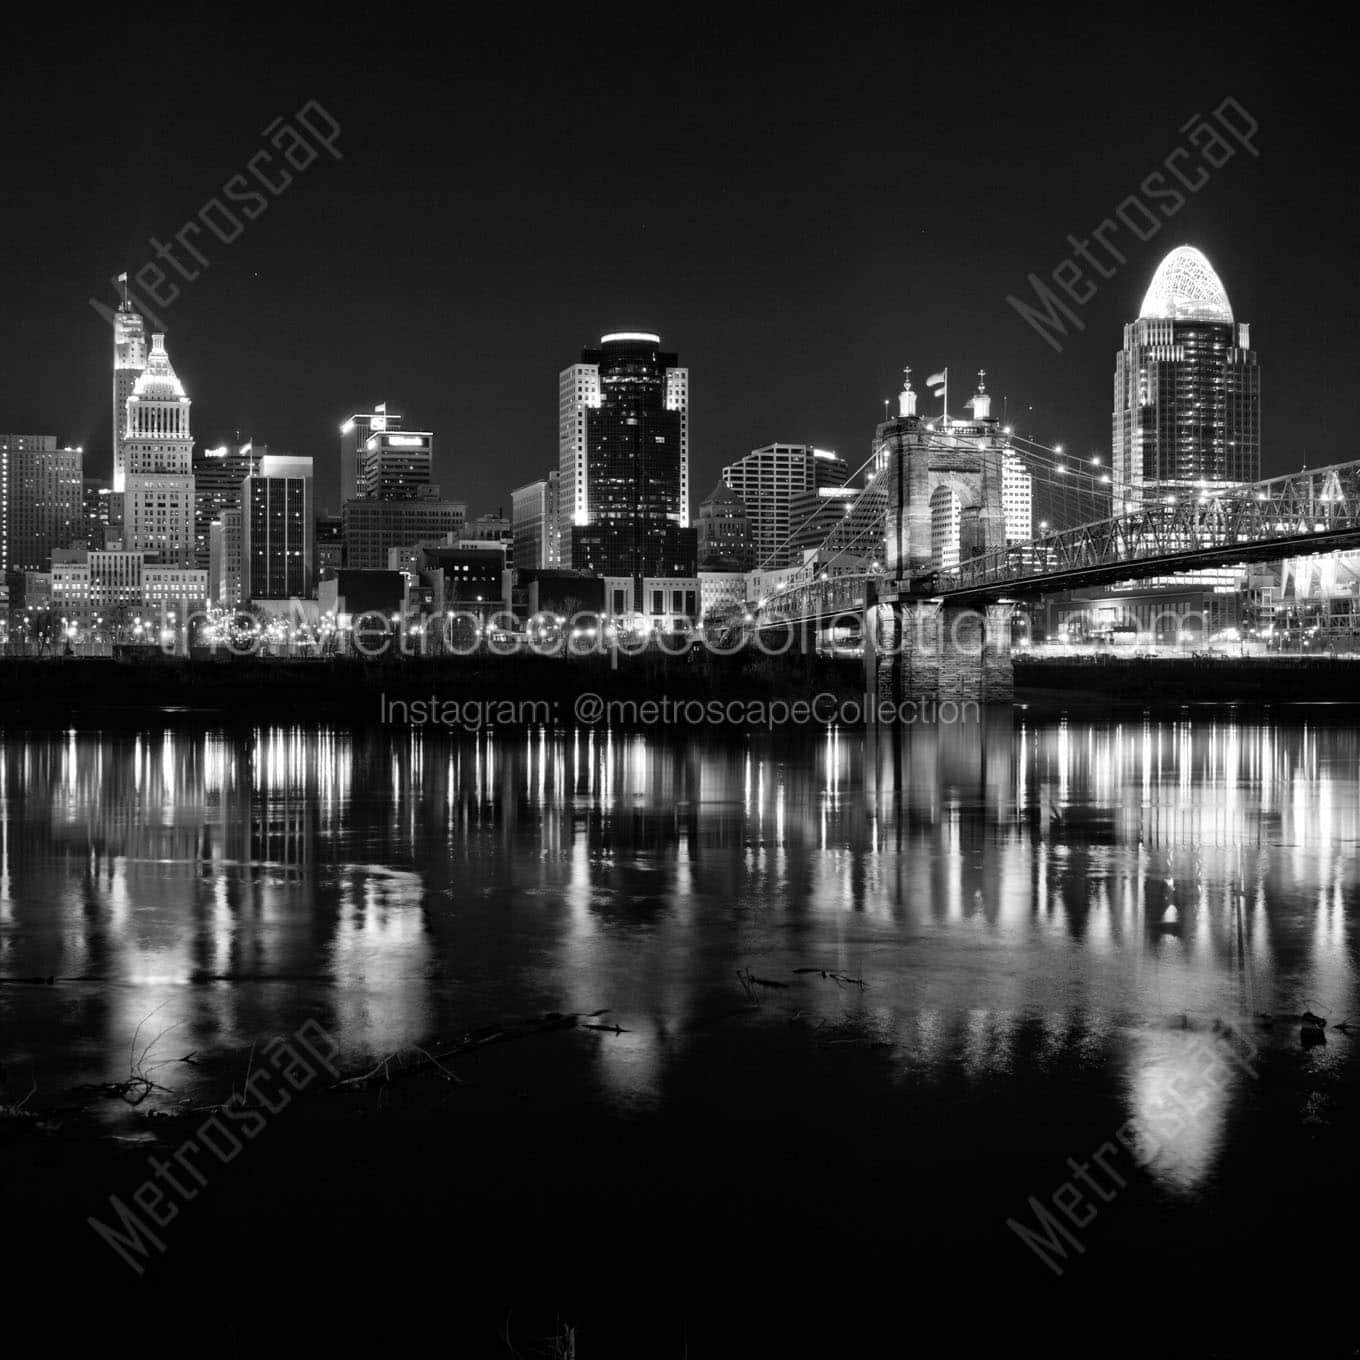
945, 503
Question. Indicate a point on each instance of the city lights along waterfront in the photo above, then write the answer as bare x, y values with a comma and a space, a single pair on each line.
627, 729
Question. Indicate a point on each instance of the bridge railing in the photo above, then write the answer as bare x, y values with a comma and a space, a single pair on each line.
1312, 501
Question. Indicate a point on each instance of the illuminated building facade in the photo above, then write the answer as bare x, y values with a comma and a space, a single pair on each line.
767, 480
533, 523
1017, 497
41, 500
1187, 394
372, 528
129, 361
354, 435
96, 511
396, 465
158, 489
278, 530
218, 474
623, 470
224, 560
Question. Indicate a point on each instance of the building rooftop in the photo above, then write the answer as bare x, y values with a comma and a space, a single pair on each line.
1185, 288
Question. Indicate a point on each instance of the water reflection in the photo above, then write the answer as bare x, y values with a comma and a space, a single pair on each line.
1017, 895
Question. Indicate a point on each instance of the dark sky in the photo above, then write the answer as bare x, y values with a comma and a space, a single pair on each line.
799, 206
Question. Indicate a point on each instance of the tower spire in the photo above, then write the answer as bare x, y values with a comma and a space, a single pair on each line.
906, 399
982, 403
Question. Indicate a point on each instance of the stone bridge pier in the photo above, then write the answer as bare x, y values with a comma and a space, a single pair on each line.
928, 651
944, 501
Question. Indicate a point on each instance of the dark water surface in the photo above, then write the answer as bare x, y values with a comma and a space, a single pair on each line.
1063, 930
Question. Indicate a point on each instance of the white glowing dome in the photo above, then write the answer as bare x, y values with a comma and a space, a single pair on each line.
1185, 288
157, 380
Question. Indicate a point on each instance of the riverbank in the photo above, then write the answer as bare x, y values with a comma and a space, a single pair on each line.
469, 693
1105, 682
745, 690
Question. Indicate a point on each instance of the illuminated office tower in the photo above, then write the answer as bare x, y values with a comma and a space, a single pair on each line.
1187, 390
623, 461
129, 361
158, 447
1017, 498
533, 520
354, 435
767, 480
41, 500
278, 531
396, 465
218, 474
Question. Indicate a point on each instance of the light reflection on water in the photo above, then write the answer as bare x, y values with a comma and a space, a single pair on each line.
1016, 896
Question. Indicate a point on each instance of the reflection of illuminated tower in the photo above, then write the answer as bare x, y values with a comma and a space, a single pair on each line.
129, 359
159, 472
1187, 390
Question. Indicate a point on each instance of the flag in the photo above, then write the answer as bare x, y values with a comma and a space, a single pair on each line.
937, 379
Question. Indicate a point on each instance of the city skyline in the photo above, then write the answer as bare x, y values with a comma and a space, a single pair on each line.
816, 339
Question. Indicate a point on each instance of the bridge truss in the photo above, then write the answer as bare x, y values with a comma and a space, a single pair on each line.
1315, 510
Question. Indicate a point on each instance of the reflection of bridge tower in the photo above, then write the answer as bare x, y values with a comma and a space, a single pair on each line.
938, 473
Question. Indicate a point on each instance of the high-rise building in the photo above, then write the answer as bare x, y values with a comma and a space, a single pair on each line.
158, 489
1187, 393
42, 495
1017, 497
96, 512
218, 474
723, 527
623, 474
815, 514
767, 479
278, 530
330, 546
533, 522
224, 560
354, 434
396, 465
129, 360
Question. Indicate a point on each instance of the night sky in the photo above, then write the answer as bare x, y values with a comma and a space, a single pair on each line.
799, 207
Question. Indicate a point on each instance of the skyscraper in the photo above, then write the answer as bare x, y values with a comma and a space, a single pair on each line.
1017, 497
623, 474
129, 359
41, 500
767, 480
533, 520
218, 474
396, 465
278, 530
158, 489
1187, 395
354, 435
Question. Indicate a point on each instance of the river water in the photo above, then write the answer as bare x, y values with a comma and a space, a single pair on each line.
1020, 940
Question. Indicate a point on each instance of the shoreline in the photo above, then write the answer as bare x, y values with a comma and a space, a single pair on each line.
635, 693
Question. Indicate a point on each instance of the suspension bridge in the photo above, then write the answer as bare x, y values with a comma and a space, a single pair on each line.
924, 562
